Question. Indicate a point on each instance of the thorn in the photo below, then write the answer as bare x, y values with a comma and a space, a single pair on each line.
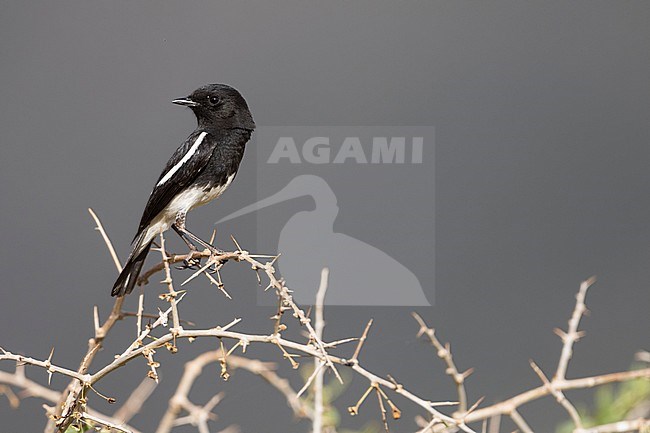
467, 373
239, 248
560, 333
49, 367
590, 281
164, 319
197, 273
96, 319
475, 405
392, 379
362, 339
274, 259
287, 355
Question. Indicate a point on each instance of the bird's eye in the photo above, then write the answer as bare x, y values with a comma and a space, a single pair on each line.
214, 100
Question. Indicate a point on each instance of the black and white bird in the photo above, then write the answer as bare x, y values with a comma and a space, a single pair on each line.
198, 172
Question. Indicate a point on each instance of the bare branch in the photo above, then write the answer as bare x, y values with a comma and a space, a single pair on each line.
317, 424
171, 298
520, 422
35, 390
559, 396
640, 425
266, 371
444, 353
106, 423
69, 400
572, 335
107, 240
193, 369
72, 404
282, 291
47, 365
134, 403
31, 388
362, 340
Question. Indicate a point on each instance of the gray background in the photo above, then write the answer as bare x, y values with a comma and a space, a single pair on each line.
349, 210
541, 115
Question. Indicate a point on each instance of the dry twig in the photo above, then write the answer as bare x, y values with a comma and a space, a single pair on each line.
444, 353
71, 406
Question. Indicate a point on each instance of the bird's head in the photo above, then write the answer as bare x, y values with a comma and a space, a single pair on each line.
219, 106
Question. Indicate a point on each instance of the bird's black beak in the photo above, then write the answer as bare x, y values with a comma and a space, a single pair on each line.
185, 102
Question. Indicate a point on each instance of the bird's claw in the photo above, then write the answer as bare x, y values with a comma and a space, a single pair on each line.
190, 263
216, 251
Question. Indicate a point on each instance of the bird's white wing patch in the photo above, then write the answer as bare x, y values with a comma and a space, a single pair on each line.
186, 158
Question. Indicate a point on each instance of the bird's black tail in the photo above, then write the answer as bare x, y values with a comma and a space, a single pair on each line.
129, 275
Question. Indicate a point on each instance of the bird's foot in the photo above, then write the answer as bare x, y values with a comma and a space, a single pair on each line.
215, 251
190, 262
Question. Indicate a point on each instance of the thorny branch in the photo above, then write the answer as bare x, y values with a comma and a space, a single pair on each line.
317, 424
71, 405
570, 337
282, 291
199, 414
70, 399
314, 348
30, 388
444, 353
554, 387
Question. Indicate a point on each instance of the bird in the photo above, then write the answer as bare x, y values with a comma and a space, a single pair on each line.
199, 171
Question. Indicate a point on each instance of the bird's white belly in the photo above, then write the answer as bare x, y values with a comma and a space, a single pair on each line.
181, 204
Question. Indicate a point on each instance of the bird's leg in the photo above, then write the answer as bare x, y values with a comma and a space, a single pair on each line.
189, 237
180, 233
189, 262
214, 250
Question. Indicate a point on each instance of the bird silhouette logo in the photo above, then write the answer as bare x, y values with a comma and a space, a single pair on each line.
360, 274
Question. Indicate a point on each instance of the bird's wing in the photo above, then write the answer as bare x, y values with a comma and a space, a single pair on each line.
181, 170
